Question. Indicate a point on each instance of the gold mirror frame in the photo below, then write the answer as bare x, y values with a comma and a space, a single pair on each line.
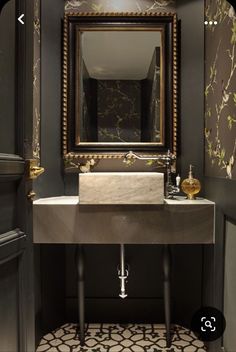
73, 159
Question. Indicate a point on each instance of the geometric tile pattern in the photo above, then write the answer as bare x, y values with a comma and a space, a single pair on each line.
120, 338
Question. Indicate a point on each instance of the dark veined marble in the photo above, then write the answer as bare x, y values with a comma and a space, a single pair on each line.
119, 111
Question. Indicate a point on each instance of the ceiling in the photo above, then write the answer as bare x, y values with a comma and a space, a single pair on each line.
119, 55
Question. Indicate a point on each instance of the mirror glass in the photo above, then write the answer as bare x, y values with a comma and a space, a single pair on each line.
119, 91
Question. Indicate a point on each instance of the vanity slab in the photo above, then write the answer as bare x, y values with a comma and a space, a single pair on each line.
69, 200
180, 221
180, 200
121, 188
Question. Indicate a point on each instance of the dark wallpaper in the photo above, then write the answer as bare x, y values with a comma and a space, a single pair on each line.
119, 5
220, 90
119, 110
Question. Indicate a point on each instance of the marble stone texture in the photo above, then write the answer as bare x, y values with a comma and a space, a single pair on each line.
70, 200
65, 220
121, 188
181, 200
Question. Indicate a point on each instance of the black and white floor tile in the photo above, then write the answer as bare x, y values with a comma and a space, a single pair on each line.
120, 338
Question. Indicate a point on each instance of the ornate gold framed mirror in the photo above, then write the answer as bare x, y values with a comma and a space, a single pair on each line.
119, 85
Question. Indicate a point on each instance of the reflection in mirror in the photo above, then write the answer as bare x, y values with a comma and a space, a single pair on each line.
120, 87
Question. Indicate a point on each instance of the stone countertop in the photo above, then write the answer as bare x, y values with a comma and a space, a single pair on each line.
70, 200
63, 220
180, 200
74, 200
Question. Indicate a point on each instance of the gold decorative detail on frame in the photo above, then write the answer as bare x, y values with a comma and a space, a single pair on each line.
72, 159
65, 86
175, 84
120, 14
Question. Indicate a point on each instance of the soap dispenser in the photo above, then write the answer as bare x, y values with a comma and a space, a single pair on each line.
191, 186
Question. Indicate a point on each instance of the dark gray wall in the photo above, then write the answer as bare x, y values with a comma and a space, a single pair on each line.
222, 192
7, 79
191, 90
145, 283
230, 286
50, 265
51, 182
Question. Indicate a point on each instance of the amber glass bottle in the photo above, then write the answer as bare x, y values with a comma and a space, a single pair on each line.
191, 186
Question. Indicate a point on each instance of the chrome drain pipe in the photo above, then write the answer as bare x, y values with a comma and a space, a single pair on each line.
122, 272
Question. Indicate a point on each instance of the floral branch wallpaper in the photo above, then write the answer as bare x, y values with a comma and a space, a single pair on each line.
220, 90
119, 5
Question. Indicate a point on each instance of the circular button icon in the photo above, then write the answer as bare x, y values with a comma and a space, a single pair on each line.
208, 323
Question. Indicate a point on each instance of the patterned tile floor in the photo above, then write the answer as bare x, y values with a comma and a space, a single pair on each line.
120, 338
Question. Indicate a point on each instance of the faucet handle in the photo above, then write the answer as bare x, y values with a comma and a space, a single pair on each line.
178, 178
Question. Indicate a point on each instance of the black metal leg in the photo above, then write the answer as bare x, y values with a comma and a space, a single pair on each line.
166, 270
80, 289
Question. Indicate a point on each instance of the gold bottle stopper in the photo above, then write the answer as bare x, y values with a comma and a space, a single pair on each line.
191, 186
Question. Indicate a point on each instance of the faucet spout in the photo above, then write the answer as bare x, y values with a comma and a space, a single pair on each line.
169, 157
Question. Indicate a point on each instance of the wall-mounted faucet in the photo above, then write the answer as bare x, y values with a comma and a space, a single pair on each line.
170, 188
169, 157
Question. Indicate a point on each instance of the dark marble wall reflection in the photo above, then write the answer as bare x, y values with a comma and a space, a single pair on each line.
122, 111
119, 110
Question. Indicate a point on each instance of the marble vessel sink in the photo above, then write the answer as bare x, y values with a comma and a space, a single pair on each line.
121, 188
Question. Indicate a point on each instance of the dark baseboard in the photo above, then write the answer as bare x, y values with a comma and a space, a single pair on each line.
116, 310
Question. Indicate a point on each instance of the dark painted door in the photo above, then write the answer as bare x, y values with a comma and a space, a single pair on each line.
16, 110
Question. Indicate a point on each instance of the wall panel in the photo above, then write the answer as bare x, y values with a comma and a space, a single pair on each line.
230, 287
7, 78
9, 325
